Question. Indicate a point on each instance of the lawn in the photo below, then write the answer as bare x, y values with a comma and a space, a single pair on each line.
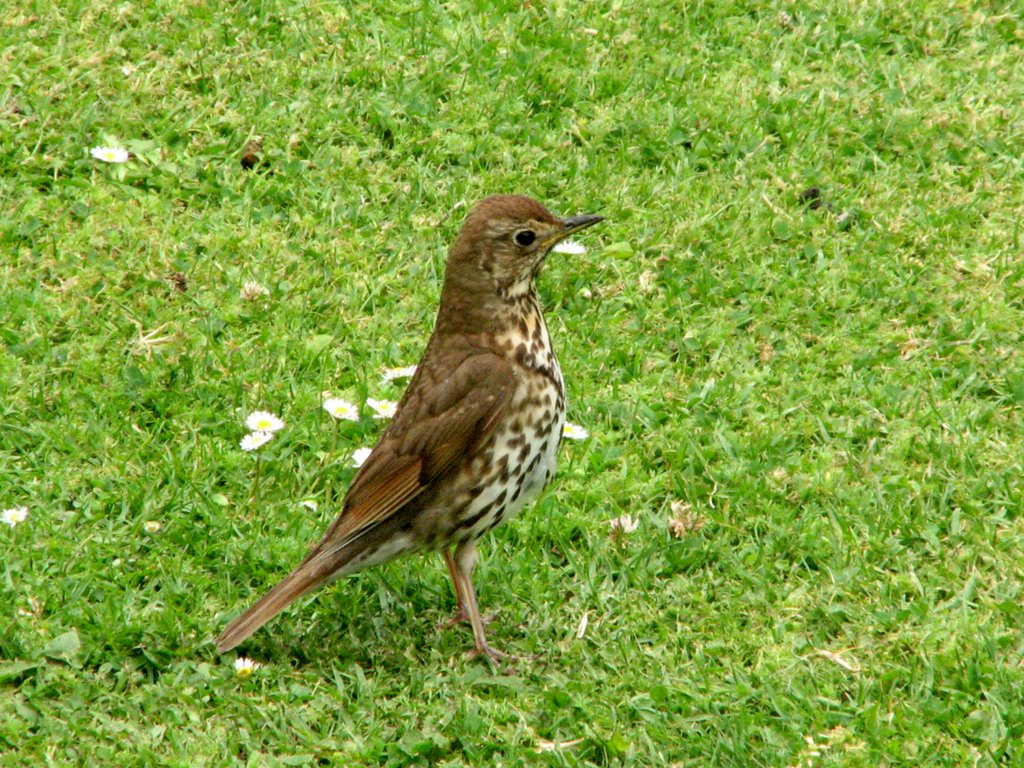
796, 344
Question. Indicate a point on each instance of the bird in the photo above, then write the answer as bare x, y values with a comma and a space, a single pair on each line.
475, 435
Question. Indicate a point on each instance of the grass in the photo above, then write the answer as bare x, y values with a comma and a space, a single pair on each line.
801, 326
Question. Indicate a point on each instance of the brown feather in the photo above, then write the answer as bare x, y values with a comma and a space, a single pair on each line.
293, 586
437, 423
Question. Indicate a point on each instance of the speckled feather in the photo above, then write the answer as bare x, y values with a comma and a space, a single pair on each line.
476, 433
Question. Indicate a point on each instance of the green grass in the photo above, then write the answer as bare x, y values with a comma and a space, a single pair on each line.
833, 384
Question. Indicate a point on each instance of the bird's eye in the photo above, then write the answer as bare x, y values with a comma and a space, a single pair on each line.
525, 236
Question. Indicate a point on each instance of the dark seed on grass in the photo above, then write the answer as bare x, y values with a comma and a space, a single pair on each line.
251, 154
812, 198
178, 281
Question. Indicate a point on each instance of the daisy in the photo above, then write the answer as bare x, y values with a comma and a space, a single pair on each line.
245, 667
263, 421
390, 374
570, 247
341, 409
360, 455
110, 154
382, 409
151, 526
252, 290
574, 431
14, 516
255, 440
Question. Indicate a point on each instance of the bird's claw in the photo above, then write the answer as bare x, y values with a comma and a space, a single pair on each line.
492, 653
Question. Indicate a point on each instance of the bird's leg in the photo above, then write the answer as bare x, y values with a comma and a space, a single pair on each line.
461, 612
460, 565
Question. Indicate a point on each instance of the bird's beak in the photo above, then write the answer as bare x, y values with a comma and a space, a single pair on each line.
574, 224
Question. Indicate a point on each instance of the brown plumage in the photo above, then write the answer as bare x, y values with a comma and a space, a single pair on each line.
475, 434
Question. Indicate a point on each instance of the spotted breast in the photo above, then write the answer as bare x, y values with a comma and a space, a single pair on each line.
521, 458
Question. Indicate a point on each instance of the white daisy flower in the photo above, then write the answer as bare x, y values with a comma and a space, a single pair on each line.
263, 421
382, 409
151, 526
572, 431
245, 667
308, 504
252, 290
341, 409
390, 374
110, 154
570, 247
255, 440
14, 516
360, 455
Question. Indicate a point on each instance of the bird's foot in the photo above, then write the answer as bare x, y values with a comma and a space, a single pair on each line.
459, 617
492, 653
463, 616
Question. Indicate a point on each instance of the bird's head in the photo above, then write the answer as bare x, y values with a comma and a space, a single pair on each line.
502, 246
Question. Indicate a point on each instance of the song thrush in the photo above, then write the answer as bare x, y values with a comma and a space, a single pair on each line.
475, 434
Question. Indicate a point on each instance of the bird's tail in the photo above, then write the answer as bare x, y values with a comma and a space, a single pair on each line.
327, 561
304, 578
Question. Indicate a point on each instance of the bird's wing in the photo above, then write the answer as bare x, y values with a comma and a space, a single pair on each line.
450, 410
441, 419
